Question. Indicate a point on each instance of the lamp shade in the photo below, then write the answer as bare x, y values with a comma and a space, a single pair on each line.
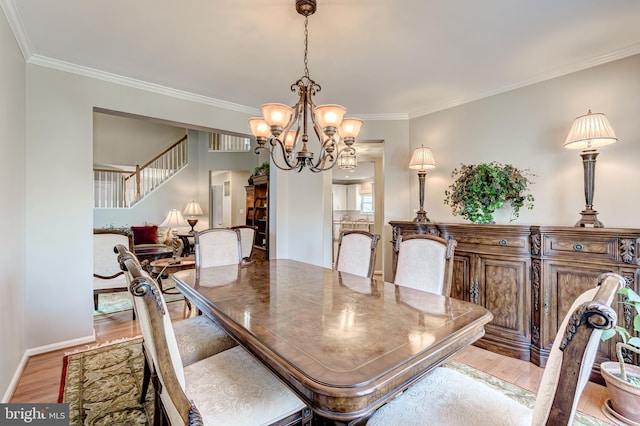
193, 209
422, 158
259, 127
329, 115
174, 220
590, 131
276, 114
350, 127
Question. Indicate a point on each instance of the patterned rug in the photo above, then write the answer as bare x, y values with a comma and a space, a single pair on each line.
109, 303
102, 386
523, 396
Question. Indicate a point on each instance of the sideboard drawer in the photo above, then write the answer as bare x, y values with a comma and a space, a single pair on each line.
592, 248
517, 242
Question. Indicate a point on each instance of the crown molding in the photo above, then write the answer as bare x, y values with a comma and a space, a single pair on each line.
15, 22
625, 52
380, 117
138, 84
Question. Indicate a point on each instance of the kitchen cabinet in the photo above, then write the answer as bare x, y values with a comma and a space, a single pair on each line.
346, 197
339, 193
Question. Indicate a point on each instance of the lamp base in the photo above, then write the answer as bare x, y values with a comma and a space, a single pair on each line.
421, 217
192, 222
589, 218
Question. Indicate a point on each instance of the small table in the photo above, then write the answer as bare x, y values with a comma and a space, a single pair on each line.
153, 253
186, 250
170, 265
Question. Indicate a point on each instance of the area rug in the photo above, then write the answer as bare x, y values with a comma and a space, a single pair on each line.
109, 303
102, 385
523, 396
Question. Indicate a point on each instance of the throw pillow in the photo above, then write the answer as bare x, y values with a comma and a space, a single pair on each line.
145, 234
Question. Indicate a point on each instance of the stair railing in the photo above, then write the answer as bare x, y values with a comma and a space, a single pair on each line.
121, 189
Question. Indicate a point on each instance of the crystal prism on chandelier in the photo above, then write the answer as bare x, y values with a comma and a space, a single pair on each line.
283, 131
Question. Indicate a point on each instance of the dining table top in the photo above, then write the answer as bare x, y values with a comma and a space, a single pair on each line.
346, 344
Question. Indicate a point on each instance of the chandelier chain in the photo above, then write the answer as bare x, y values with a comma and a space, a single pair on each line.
306, 46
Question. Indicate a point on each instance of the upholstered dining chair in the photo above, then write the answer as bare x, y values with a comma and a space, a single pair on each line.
247, 238
357, 252
425, 262
448, 398
229, 388
107, 276
217, 247
197, 337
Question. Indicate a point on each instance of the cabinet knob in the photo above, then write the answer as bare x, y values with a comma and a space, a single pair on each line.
503, 243
578, 247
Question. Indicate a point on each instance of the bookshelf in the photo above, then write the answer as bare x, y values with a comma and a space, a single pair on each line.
257, 209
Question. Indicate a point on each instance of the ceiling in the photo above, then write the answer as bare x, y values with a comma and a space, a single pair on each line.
379, 58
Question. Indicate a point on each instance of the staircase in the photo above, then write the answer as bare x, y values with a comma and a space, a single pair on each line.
114, 188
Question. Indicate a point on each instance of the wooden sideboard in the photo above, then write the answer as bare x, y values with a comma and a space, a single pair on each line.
528, 277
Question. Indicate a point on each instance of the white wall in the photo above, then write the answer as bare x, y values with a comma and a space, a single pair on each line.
125, 141
175, 193
12, 206
527, 128
59, 129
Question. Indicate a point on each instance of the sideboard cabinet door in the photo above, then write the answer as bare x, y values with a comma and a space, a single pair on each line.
568, 262
491, 268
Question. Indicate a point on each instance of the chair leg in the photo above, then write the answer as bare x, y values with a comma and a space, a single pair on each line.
145, 381
95, 301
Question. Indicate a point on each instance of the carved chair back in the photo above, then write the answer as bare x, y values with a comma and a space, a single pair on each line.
425, 262
357, 252
217, 247
107, 275
247, 238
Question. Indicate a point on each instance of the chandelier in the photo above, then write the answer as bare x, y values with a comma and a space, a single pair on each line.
347, 161
283, 130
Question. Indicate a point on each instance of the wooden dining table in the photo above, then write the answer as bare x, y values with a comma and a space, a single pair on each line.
345, 344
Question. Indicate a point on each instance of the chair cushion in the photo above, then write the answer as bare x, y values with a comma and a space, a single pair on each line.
232, 388
355, 254
446, 398
199, 338
145, 234
421, 265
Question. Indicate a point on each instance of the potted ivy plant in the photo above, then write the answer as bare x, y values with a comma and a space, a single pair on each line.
622, 379
480, 189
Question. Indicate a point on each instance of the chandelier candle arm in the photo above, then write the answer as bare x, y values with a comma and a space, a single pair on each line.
286, 129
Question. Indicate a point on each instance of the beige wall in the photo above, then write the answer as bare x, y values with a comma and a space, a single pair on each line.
12, 207
124, 141
527, 127
59, 126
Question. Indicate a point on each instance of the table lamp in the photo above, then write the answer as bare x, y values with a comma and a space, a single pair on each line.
587, 133
174, 220
192, 210
422, 159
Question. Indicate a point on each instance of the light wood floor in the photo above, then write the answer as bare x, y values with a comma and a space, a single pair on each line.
40, 381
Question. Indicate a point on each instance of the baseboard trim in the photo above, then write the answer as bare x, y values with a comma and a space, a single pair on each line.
40, 350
